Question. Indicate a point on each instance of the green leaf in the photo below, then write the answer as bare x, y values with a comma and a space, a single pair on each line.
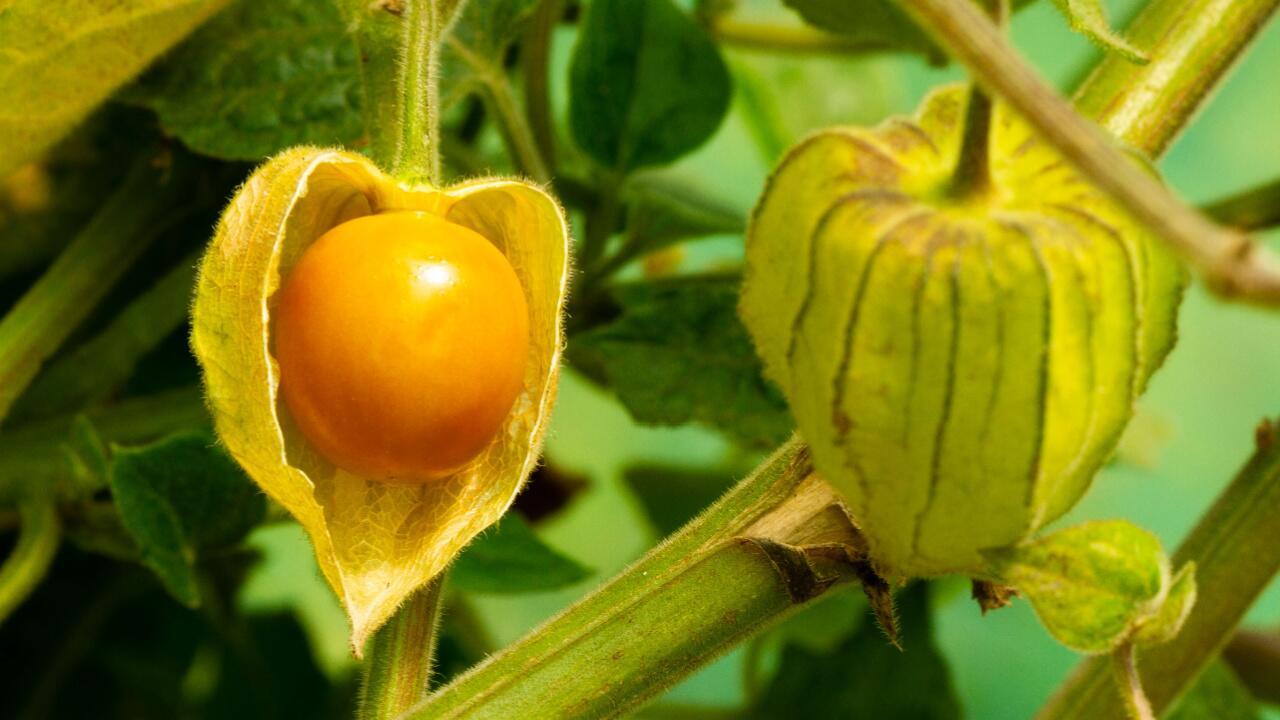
178, 498
865, 676
1091, 584
1089, 18
476, 44
1217, 695
880, 24
671, 496
661, 213
510, 558
678, 353
1167, 622
260, 78
646, 84
57, 62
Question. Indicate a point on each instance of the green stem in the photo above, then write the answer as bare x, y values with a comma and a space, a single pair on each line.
973, 168
601, 221
398, 45
139, 211
1254, 209
797, 39
31, 557
775, 541
1236, 555
515, 131
1231, 263
1124, 663
1192, 45
99, 365
536, 62
397, 672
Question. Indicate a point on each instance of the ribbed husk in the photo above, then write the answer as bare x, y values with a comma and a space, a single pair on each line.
961, 367
375, 542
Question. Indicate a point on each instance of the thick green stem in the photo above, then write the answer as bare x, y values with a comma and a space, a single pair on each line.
1236, 555
973, 169
146, 203
30, 559
1231, 263
1192, 45
397, 673
738, 567
398, 42
1254, 209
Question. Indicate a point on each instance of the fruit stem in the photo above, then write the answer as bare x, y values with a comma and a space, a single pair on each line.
398, 43
1124, 661
29, 560
973, 168
397, 672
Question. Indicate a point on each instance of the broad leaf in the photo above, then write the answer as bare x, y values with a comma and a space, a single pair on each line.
646, 84
1091, 584
510, 558
180, 497
260, 78
473, 51
57, 62
1217, 695
866, 676
1089, 18
678, 353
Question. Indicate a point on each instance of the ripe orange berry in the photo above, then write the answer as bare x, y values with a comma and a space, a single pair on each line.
402, 341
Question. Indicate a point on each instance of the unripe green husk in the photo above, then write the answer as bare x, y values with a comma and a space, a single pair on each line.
961, 364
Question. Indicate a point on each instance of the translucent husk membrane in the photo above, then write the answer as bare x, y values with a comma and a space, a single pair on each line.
375, 542
961, 366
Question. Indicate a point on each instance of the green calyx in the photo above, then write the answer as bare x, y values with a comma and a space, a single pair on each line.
960, 363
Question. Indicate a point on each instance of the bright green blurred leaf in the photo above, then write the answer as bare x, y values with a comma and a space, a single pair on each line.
646, 84
1090, 584
1217, 695
179, 497
866, 676
509, 558
678, 353
58, 61
260, 78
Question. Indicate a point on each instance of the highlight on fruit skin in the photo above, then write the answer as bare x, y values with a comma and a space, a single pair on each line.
961, 366
377, 541
402, 341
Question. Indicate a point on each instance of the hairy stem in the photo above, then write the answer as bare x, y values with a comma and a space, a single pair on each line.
740, 566
31, 557
398, 41
1231, 263
147, 202
1236, 555
1124, 661
397, 673
1192, 45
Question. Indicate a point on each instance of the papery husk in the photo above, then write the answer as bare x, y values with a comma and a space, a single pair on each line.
961, 367
375, 542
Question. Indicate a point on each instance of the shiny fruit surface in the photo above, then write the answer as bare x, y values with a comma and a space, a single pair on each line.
402, 340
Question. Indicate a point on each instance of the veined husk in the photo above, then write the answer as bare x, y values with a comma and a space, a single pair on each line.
375, 542
960, 368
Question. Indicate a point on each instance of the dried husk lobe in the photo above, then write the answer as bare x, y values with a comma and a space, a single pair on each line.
961, 363
375, 542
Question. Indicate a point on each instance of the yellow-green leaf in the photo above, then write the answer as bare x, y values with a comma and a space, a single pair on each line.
1165, 624
1092, 584
59, 60
375, 542
1089, 18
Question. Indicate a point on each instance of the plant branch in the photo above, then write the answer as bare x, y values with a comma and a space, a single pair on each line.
1255, 658
798, 39
1192, 44
536, 54
397, 672
1254, 209
776, 540
516, 132
1236, 555
30, 559
147, 202
398, 43
1231, 263
1124, 661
